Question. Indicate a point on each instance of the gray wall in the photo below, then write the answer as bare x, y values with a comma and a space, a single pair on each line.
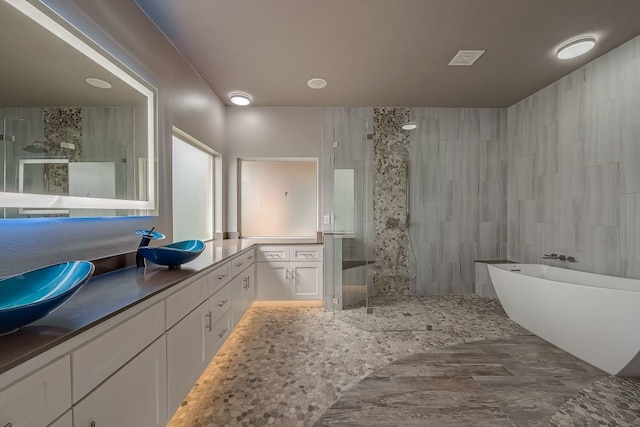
457, 170
574, 168
269, 132
184, 100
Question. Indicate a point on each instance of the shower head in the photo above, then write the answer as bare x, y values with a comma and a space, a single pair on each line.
36, 147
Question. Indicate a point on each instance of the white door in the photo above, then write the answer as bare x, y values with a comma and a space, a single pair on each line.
273, 278
136, 395
306, 280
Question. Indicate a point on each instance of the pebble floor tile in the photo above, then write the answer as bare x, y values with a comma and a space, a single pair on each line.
288, 365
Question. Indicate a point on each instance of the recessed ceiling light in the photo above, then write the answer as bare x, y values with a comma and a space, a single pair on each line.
99, 83
240, 99
410, 125
317, 83
576, 47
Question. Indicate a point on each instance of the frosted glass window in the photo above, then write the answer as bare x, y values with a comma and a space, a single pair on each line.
278, 198
192, 176
344, 197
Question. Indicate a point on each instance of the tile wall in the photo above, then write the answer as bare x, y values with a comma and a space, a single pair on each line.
574, 168
457, 169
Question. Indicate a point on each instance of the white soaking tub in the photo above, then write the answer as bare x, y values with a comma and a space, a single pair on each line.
592, 316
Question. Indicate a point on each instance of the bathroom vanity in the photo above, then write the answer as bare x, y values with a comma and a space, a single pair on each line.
130, 345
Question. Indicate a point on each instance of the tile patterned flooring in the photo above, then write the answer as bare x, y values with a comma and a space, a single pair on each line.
288, 365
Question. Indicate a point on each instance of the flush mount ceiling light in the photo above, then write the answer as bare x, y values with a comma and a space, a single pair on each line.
317, 83
99, 83
240, 99
576, 47
410, 125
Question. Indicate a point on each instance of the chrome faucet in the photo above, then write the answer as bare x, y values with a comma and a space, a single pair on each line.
550, 256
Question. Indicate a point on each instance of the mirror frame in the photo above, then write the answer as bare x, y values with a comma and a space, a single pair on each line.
100, 57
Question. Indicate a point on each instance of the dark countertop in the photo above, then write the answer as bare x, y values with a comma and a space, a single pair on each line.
109, 294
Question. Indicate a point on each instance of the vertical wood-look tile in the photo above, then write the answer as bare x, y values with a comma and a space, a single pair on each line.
602, 195
630, 159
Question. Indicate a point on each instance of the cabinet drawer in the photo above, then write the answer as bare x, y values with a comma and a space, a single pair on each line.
38, 399
237, 265
219, 303
273, 253
250, 257
306, 253
185, 300
96, 361
218, 277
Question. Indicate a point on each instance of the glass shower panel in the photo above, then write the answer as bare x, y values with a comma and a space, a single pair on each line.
349, 223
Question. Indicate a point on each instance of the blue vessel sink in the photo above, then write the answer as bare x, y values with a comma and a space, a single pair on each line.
174, 254
27, 297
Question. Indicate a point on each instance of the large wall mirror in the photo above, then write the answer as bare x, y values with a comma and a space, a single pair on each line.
77, 129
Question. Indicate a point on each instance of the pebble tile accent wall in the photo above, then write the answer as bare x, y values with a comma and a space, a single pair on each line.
574, 168
391, 239
61, 124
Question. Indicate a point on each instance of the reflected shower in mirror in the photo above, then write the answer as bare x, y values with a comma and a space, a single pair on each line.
76, 129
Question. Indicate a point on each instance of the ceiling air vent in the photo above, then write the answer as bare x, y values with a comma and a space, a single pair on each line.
466, 57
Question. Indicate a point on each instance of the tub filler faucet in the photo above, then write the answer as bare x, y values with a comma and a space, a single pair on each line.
559, 257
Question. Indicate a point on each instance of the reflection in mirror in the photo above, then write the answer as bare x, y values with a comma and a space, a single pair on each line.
76, 130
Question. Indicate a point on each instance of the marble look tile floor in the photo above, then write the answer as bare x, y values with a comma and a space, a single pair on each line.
287, 365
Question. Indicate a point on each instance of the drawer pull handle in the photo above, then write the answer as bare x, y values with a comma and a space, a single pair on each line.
209, 317
250, 257
239, 264
221, 334
220, 304
222, 276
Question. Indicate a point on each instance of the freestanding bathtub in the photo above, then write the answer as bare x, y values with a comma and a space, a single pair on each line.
594, 317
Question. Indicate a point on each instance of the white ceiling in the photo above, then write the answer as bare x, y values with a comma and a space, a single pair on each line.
386, 52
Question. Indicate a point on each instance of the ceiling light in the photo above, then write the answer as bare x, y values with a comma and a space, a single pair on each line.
411, 125
240, 99
317, 83
576, 47
99, 83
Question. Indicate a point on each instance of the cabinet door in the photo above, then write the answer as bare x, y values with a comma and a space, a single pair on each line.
273, 281
306, 280
237, 309
38, 399
136, 395
249, 288
186, 354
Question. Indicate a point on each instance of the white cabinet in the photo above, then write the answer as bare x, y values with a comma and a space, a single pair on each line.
136, 395
306, 280
38, 399
98, 359
296, 275
273, 281
186, 354
248, 287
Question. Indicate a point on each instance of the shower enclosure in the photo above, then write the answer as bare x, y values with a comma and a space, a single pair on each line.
67, 151
367, 212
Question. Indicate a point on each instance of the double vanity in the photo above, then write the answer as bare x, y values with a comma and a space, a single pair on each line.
128, 347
